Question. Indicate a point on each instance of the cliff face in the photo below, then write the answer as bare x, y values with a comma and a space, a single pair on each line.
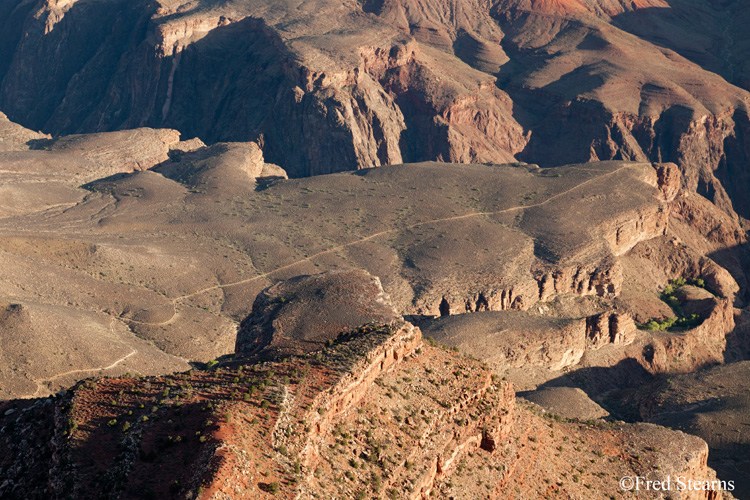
375, 412
231, 74
396, 81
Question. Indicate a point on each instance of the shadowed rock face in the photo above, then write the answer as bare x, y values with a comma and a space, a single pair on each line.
176, 241
712, 404
289, 427
300, 315
327, 86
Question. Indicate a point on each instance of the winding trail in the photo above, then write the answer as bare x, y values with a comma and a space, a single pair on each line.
377, 235
41, 382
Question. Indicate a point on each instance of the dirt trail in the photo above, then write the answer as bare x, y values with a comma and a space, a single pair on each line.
336, 248
40, 383
396, 230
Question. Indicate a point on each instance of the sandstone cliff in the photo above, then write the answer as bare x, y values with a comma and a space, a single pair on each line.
374, 413
396, 81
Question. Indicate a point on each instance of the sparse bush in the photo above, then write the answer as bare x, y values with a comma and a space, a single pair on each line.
376, 483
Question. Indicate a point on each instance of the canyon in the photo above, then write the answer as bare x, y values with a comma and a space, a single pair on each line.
340, 420
331, 87
373, 248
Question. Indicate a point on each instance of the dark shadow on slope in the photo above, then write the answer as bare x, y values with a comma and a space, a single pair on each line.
12, 16
695, 30
736, 260
39, 80
733, 171
597, 381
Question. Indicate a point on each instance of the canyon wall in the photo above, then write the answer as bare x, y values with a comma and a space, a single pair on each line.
398, 82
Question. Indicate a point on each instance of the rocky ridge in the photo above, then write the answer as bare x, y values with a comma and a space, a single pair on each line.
338, 421
397, 81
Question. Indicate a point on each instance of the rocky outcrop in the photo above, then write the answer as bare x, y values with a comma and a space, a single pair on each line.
302, 314
604, 280
328, 406
697, 347
609, 328
522, 340
232, 168
123, 151
14, 137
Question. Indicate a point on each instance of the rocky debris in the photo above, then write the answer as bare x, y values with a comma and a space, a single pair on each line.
303, 314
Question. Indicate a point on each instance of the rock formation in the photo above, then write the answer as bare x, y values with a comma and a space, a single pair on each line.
302, 314
398, 81
289, 427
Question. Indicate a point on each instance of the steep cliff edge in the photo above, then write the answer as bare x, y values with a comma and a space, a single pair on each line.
187, 245
374, 413
257, 71
395, 81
